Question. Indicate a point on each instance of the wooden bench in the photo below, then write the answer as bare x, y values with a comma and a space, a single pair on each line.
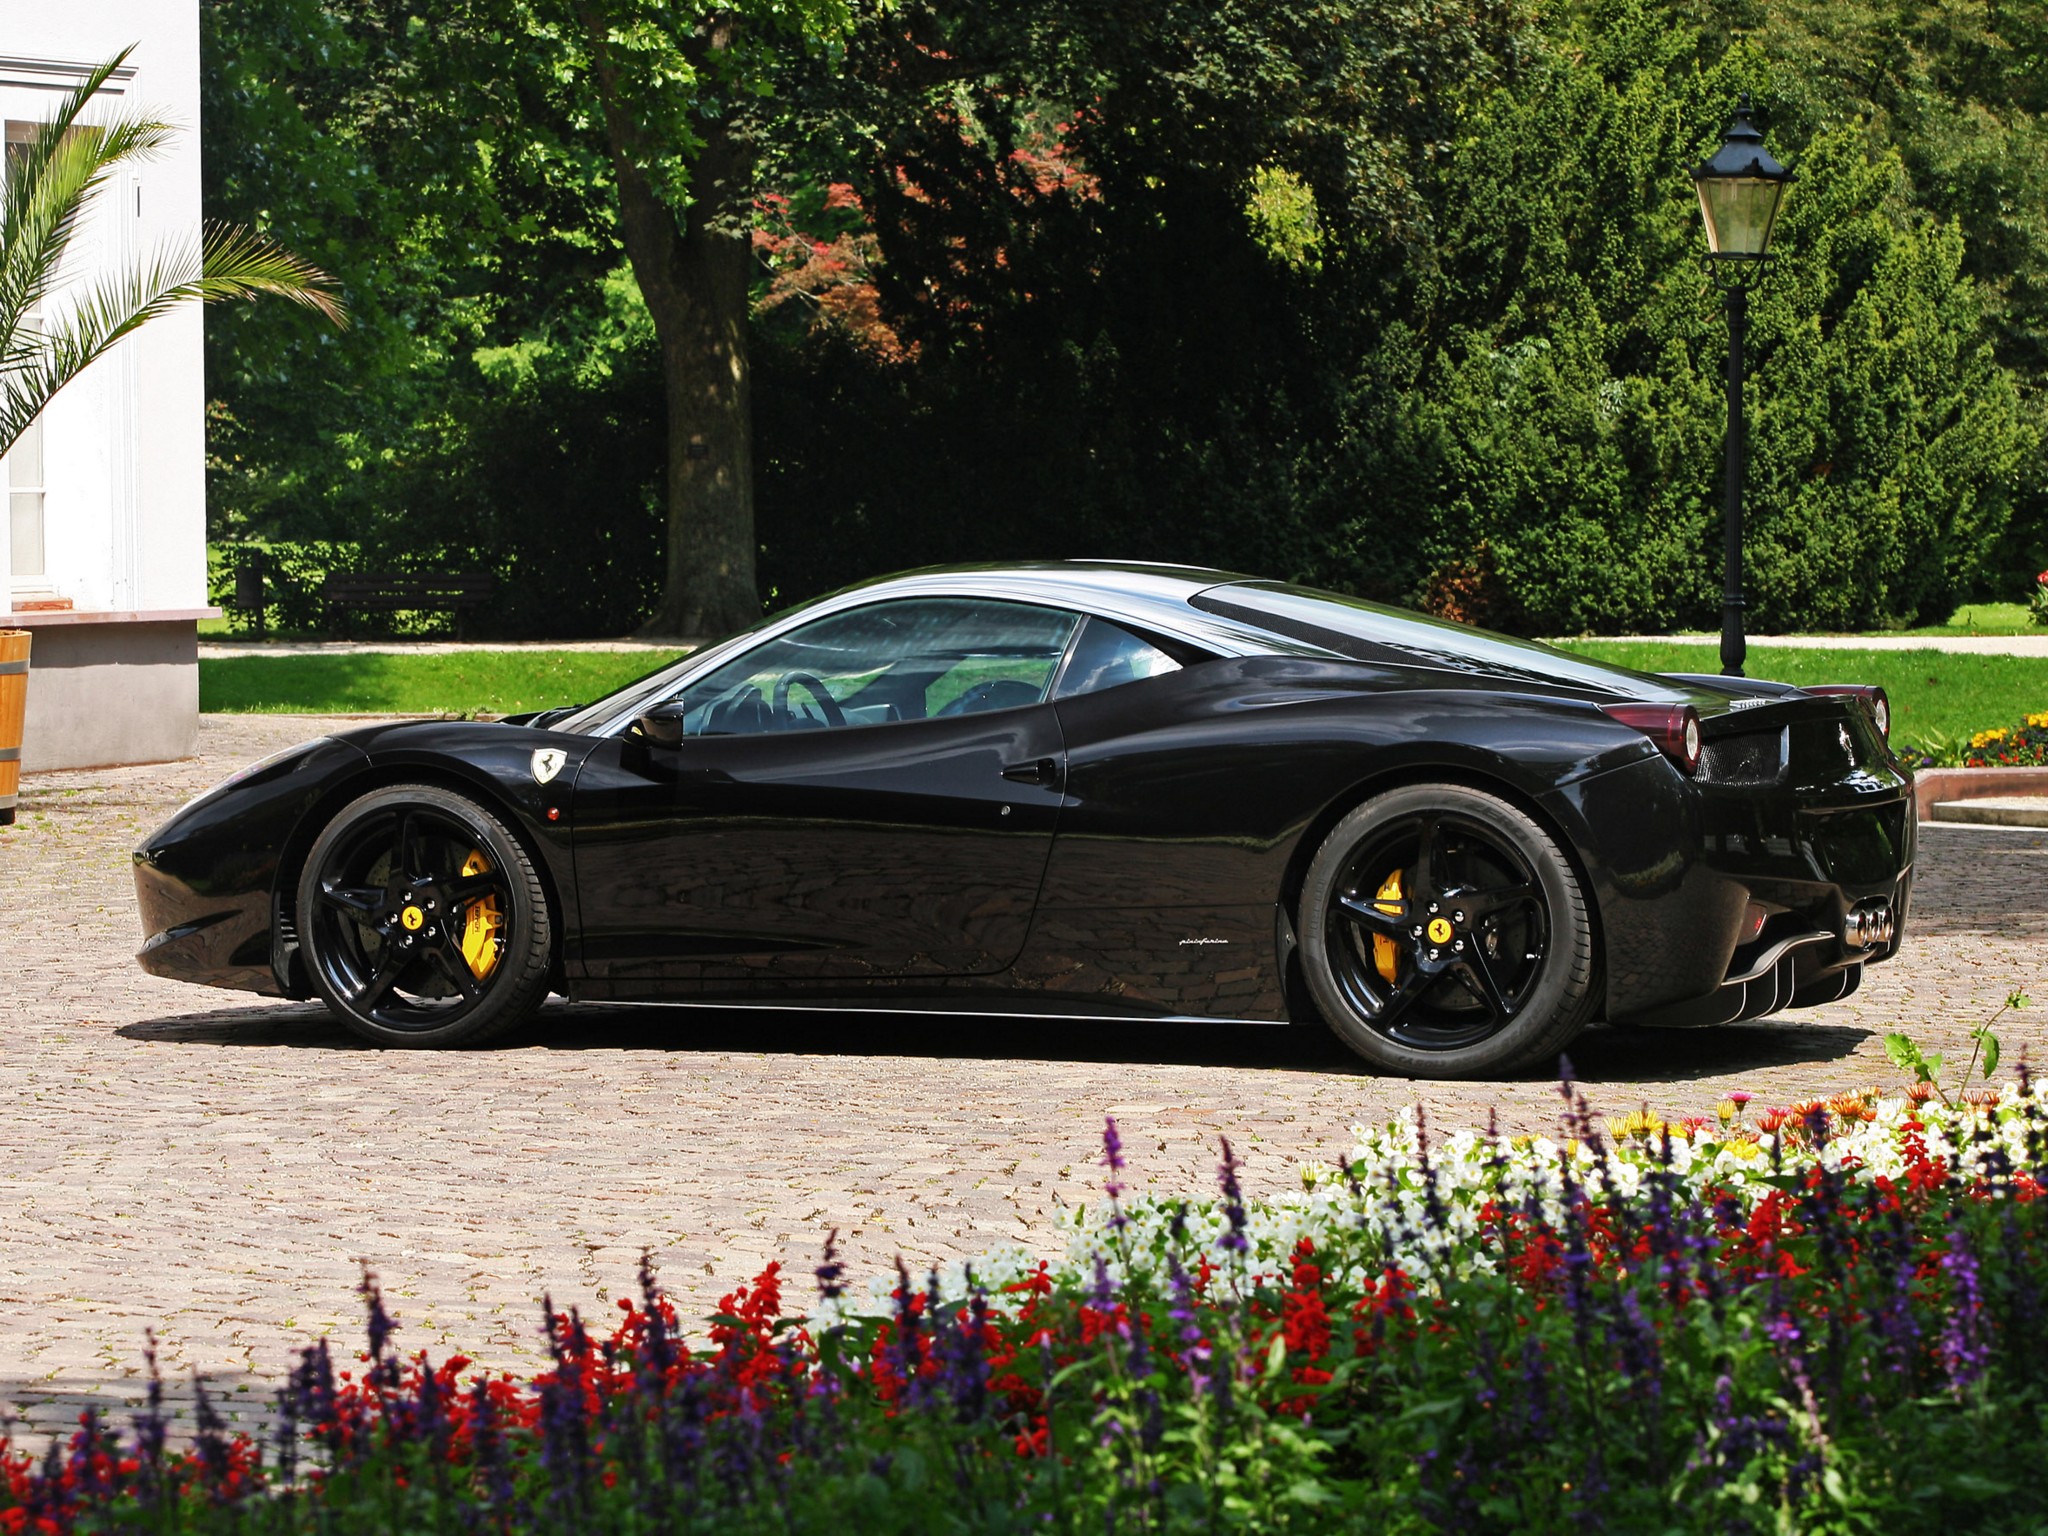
346, 593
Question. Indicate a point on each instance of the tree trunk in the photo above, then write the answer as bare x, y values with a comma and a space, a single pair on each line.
693, 269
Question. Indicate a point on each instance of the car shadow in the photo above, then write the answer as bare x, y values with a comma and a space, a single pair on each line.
1600, 1055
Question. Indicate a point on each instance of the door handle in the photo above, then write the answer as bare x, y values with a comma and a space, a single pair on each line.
1043, 771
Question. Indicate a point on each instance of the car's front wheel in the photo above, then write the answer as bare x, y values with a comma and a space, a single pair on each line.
422, 919
1444, 934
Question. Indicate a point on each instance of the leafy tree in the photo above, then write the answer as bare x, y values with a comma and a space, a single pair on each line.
669, 95
49, 184
1396, 295
1560, 432
491, 163
1486, 375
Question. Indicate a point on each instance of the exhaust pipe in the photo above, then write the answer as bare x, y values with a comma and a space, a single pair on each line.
1869, 925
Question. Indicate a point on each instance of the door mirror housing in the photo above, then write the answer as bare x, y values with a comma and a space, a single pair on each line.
663, 724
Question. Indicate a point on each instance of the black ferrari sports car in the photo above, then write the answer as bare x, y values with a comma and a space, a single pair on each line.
1083, 788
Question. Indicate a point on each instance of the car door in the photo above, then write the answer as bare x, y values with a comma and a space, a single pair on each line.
871, 795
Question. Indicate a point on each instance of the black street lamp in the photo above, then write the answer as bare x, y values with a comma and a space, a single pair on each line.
1740, 188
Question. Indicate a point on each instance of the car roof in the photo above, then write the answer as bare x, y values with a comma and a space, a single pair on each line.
1145, 593
1155, 597
1132, 579
1252, 620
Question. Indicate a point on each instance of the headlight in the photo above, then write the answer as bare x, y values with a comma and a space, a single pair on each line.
249, 771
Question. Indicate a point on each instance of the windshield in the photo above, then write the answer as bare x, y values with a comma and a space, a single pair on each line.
1363, 631
627, 701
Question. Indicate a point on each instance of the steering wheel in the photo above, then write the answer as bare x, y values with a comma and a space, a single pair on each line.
827, 705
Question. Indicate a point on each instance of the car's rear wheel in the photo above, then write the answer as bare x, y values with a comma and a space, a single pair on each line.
423, 920
1444, 934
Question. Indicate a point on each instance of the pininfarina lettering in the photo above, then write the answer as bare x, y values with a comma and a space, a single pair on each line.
1185, 942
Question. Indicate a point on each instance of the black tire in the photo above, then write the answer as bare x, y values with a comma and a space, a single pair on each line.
373, 917
1489, 943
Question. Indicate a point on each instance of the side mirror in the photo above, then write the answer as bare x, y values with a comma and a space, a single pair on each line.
663, 724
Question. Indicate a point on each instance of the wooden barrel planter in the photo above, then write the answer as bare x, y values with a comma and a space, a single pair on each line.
13, 704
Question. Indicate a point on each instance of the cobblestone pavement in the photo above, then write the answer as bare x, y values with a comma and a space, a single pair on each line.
215, 1166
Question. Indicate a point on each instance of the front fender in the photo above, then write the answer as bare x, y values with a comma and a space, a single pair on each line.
203, 880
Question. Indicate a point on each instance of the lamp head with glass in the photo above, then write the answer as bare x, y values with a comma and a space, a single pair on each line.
1740, 189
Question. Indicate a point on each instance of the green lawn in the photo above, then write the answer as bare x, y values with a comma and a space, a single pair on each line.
1931, 691
1985, 619
455, 683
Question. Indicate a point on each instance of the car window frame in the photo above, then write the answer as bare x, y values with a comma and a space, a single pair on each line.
1203, 636
1077, 622
1182, 654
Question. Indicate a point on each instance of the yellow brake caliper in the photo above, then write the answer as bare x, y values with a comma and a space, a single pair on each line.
483, 923
1385, 953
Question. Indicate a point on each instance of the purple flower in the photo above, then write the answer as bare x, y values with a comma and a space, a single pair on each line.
1432, 1202
830, 1271
1102, 1295
1782, 1328
565, 1438
908, 1358
1577, 1259
1964, 1349
381, 1326
1112, 1157
1234, 1239
210, 1445
964, 1361
150, 1426
488, 1451
1186, 1315
286, 1431
1535, 1390
1732, 1441
1636, 1343
657, 1349
86, 1446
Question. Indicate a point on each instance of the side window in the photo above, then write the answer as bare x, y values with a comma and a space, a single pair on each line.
917, 659
1107, 656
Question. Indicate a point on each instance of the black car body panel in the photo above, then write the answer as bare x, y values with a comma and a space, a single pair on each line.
1136, 850
903, 853
206, 881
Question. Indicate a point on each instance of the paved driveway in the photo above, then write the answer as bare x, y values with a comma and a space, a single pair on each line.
215, 1166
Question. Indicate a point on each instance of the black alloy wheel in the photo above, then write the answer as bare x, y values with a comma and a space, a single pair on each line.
423, 920
1444, 934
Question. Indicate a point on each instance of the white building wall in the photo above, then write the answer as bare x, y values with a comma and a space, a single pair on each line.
115, 679
124, 445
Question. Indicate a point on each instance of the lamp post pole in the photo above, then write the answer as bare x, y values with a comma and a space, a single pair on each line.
1733, 646
1739, 191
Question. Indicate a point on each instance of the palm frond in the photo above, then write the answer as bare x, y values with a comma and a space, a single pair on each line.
230, 263
237, 263
51, 182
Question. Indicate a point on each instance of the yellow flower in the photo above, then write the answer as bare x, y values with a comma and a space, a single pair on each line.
2039, 722
1726, 1110
1743, 1149
1641, 1124
1987, 738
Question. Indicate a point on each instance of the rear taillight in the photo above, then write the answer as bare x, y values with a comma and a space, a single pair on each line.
1873, 699
1674, 727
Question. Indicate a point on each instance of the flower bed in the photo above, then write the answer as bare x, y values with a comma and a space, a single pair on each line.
2021, 746
1817, 1316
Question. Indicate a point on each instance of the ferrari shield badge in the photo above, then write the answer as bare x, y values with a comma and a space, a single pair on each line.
547, 762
